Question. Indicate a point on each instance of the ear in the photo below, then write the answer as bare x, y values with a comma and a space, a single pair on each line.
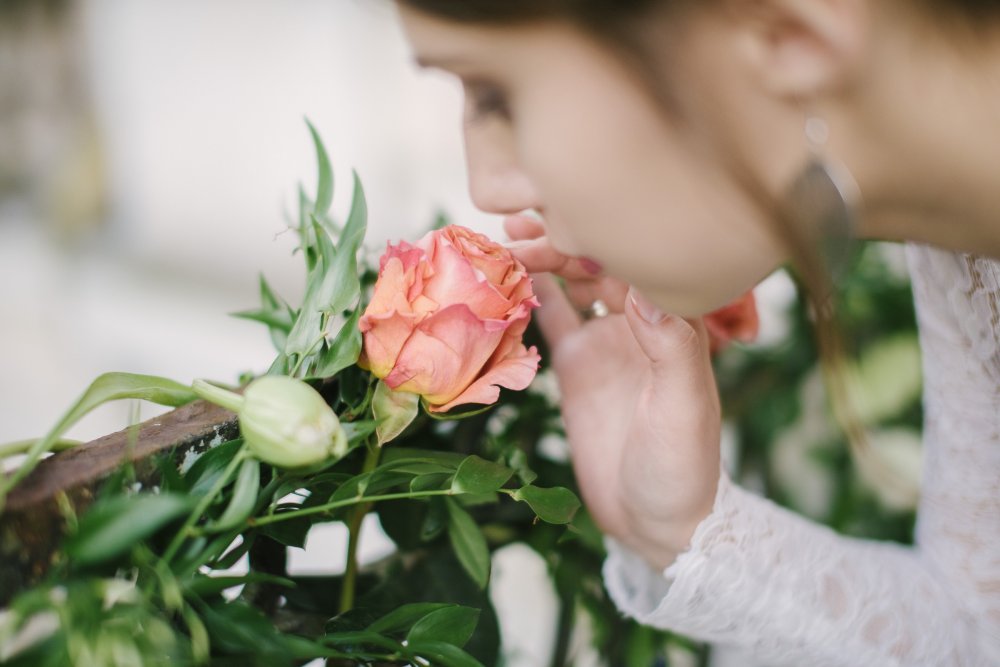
801, 48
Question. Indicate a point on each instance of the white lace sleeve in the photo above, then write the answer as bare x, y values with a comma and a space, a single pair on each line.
796, 593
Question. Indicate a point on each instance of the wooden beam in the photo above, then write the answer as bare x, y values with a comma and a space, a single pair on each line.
32, 524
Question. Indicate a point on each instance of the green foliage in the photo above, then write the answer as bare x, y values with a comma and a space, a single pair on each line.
448, 493
116, 523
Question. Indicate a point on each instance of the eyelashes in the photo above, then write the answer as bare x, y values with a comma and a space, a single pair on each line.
485, 101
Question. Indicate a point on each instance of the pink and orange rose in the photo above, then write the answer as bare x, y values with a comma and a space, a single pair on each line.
446, 320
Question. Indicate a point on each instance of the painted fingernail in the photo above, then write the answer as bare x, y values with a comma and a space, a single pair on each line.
590, 266
646, 309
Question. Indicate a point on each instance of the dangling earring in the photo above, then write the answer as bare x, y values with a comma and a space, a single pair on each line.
823, 199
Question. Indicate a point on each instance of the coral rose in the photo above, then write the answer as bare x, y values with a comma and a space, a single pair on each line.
737, 321
446, 320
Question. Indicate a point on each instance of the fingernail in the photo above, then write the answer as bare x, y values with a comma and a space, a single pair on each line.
645, 307
590, 266
516, 245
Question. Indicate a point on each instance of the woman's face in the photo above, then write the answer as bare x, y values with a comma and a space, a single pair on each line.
557, 123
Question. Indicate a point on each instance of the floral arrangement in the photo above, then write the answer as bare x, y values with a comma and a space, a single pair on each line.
385, 398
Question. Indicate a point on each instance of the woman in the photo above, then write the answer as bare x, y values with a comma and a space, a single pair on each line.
667, 146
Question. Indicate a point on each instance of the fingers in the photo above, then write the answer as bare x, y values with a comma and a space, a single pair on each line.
531, 247
676, 347
556, 317
522, 227
611, 291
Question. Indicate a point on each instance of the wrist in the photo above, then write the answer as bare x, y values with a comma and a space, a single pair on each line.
661, 545
658, 540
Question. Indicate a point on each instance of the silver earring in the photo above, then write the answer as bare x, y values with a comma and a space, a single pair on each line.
823, 199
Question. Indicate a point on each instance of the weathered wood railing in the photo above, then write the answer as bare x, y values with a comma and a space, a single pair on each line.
33, 521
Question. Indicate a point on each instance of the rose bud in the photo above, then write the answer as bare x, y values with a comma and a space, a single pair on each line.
737, 321
446, 320
284, 421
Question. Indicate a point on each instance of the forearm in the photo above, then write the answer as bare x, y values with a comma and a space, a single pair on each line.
761, 577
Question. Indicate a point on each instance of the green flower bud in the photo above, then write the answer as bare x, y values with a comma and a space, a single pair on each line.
284, 421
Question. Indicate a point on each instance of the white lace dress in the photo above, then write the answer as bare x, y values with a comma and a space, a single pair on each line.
792, 592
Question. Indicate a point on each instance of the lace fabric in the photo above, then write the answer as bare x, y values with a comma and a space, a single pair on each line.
793, 592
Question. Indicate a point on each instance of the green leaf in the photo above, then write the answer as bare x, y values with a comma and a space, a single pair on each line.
443, 654
477, 476
403, 618
114, 525
307, 235
200, 643
383, 480
239, 628
343, 272
468, 543
333, 283
324, 188
107, 387
343, 351
435, 520
307, 333
474, 499
453, 625
556, 505
361, 638
203, 586
431, 481
450, 459
356, 432
417, 466
207, 468
244, 498
354, 487
274, 313
228, 557
279, 321
22, 446
292, 532
280, 365
393, 411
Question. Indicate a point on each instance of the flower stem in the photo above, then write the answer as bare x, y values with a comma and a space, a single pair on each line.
354, 533
203, 504
228, 399
357, 500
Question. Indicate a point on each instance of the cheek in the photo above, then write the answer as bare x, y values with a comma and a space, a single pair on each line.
653, 212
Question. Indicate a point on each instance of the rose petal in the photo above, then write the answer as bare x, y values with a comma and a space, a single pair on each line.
492, 259
736, 321
400, 280
445, 353
455, 280
516, 371
384, 338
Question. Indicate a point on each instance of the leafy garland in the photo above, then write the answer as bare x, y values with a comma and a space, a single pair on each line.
138, 578
145, 576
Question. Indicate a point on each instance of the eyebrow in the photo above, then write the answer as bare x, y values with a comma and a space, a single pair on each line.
438, 61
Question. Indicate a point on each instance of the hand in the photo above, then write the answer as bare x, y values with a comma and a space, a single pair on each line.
639, 401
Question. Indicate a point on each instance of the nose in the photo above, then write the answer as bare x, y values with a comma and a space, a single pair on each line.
497, 184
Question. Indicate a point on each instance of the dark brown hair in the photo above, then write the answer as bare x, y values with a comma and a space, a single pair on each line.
601, 13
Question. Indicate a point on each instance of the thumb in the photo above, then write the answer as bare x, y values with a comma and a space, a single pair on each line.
676, 347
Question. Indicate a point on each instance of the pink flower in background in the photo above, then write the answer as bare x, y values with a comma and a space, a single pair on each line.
447, 318
737, 321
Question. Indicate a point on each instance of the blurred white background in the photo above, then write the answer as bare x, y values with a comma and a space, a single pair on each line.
159, 147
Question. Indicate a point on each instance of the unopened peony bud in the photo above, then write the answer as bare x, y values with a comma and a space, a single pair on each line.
284, 421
